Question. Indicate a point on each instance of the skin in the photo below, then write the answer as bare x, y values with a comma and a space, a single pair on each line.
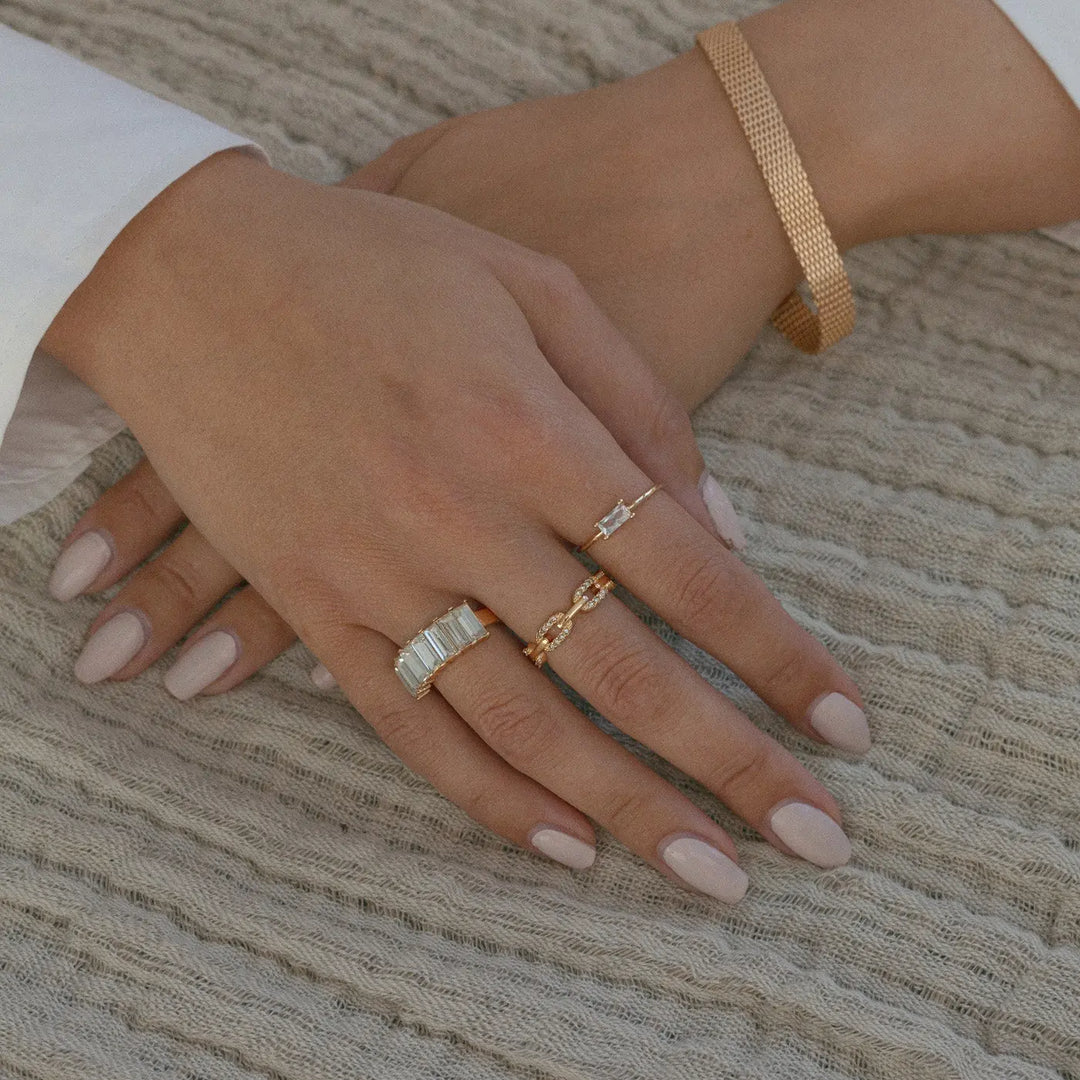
674, 237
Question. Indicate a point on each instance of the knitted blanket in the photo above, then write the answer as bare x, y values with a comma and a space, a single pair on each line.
253, 885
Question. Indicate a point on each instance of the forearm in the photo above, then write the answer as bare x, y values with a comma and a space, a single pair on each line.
911, 116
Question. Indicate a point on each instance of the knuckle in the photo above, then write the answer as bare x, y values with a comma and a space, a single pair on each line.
556, 279
513, 725
307, 596
789, 670
140, 503
486, 805
667, 423
176, 582
627, 813
522, 411
709, 589
747, 771
401, 729
625, 678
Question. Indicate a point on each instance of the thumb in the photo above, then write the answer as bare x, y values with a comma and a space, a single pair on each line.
620, 389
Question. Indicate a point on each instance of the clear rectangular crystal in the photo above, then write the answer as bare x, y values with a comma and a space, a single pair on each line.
423, 651
610, 522
469, 623
435, 637
453, 631
410, 671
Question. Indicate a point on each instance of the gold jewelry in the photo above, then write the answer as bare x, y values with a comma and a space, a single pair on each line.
769, 138
619, 515
557, 629
441, 641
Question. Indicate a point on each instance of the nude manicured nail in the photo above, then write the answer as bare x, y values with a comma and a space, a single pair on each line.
838, 720
111, 646
78, 565
564, 848
205, 662
811, 834
703, 867
722, 512
322, 678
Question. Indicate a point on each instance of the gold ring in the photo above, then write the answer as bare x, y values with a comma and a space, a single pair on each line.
617, 516
557, 629
441, 641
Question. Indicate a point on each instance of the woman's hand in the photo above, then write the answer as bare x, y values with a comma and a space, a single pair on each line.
357, 402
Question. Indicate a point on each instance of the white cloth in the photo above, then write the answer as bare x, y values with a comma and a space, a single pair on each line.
81, 153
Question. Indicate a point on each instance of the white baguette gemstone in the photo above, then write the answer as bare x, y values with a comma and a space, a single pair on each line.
614, 518
468, 621
409, 670
442, 648
424, 652
452, 629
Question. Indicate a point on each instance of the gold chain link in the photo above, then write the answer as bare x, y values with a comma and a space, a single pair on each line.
763, 123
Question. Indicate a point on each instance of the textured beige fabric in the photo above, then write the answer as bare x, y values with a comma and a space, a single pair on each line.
253, 886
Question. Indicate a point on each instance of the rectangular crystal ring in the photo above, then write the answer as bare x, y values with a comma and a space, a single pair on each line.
616, 517
435, 646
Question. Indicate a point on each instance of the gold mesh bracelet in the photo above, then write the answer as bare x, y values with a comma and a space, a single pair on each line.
769, 138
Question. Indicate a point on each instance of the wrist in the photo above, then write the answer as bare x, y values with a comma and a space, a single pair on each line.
117, 325
920, 116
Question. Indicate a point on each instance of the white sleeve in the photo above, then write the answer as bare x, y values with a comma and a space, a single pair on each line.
81, 153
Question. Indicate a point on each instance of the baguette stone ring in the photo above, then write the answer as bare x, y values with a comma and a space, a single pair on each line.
617, 516
441, 641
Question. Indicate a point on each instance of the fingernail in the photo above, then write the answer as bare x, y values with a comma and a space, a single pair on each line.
79, 564
703, 867
722, 512
111, 646
322, 678
838, 720
564, 848
206, 661
811, 834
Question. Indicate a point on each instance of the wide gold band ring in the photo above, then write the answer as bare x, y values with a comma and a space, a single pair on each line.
616, 517
557, 628
440, 642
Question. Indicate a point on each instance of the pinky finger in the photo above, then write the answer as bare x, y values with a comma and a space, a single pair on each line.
243, 635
